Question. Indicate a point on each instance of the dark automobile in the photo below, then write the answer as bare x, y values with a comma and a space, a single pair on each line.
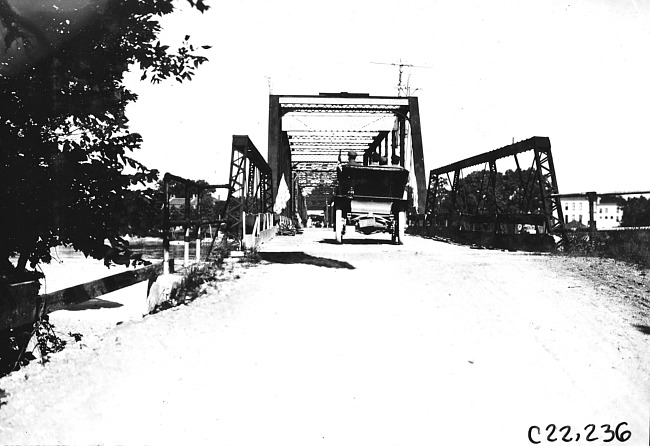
370, 198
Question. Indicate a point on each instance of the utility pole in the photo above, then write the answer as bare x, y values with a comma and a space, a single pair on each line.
402, 91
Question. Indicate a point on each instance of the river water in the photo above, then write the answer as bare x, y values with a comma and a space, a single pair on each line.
69, 267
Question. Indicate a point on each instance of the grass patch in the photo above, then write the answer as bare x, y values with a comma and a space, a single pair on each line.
626, 246
251, 256
198, 276
15, 351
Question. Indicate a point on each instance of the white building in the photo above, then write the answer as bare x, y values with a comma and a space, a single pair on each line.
606, 212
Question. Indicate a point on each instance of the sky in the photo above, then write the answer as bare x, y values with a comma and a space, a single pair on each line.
488, 73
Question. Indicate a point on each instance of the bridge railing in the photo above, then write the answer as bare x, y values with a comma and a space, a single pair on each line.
258, 228
192, 220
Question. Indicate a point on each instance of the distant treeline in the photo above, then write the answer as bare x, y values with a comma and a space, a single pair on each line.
636, 211
143, 209
515, 192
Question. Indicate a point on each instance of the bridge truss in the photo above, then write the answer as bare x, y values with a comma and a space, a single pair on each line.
533, 201
250, 183
308, 136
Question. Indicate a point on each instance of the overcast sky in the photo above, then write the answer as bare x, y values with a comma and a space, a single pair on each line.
577, 72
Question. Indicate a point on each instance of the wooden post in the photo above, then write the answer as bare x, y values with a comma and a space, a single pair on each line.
186, 243
198, 227
165, 228
186, 239
198, 244
243, 229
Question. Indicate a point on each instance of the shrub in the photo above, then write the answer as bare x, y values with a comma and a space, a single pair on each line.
628, 246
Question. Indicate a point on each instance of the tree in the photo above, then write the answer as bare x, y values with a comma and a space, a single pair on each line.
636, 212
143, 208
514, 191
64, 138
521, 192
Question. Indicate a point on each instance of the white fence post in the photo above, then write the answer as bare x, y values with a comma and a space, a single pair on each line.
186, 243
198, 244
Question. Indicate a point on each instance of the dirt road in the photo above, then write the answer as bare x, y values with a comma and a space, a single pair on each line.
361, 344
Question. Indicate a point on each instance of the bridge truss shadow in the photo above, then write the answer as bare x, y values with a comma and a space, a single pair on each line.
301, 257
358, 241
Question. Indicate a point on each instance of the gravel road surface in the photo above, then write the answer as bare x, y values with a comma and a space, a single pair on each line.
366, 343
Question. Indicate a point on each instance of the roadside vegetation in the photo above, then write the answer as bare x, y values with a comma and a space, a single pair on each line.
199, 278
66, 145
21, 346
631, 246
26, 344
69, 177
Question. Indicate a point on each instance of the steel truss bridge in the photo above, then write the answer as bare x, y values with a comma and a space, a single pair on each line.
308, 135
250, 183
538, 203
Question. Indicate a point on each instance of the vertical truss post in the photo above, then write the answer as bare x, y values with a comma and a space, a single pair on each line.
275, 141
492, 180
552, 206
454, 193
250, 190
417, 152
402, 141
266, 192
236, 195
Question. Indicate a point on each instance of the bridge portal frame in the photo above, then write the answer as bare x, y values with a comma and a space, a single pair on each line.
279, 149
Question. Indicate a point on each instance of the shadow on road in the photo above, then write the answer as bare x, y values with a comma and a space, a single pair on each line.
358, 241
642, 328
94, 304
301, 257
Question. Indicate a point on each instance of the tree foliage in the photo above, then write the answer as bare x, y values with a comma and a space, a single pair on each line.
512, 192
636, 212
143, 208
66, 164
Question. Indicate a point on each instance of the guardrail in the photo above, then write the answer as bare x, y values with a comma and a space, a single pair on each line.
187, 222
20, 304
23, 305
258, 228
